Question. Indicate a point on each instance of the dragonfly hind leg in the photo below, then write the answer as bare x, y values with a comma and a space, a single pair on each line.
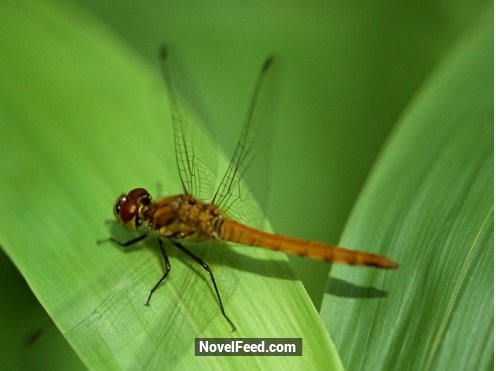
207, 268
167, 270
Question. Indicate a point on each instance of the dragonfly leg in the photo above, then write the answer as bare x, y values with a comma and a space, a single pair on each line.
167, 270
207, 268
124, 244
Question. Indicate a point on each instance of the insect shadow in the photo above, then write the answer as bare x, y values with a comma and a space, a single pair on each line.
345, 289
220, 253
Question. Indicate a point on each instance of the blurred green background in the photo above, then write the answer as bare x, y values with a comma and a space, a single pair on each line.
349, 70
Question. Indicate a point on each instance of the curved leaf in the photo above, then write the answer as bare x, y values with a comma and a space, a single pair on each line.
82, 120
429, 205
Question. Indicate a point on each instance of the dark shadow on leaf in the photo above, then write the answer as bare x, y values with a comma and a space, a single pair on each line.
344, 289
221, 253
218, 253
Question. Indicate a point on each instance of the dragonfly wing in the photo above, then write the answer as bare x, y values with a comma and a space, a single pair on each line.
193, 144
243, 190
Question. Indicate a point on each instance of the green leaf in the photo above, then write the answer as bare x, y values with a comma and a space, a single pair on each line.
429, 205
82, 119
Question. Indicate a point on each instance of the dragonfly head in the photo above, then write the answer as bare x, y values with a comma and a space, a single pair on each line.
129, 208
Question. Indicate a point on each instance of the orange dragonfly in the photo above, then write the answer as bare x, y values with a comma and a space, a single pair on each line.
185, 217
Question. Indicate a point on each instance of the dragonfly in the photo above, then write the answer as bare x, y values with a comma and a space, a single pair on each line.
185, 216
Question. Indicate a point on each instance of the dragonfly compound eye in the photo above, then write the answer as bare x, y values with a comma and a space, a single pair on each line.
141, 195
127, 212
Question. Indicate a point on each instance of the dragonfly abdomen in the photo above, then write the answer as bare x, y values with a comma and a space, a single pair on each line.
233, 231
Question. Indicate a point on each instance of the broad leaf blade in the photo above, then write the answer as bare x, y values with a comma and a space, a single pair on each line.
429, 205
82, 120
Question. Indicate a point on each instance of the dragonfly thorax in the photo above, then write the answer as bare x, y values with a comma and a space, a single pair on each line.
184, 216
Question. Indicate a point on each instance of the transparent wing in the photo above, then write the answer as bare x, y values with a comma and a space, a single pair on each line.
242, 193
193, 145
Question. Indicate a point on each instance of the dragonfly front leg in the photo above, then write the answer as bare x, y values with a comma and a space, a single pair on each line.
123, 244
167, 270
207, 268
